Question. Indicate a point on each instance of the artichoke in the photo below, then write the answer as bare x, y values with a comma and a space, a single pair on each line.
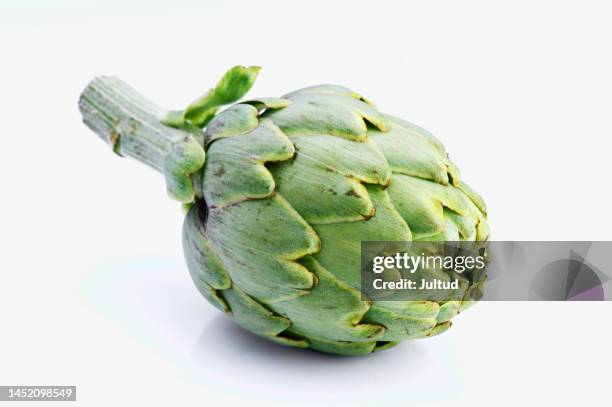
280, 192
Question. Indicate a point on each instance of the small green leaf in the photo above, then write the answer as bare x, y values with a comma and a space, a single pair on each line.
232, 87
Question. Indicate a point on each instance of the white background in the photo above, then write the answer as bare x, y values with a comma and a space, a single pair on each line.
93, 288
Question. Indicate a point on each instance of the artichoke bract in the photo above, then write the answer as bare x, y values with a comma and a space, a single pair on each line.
280, 193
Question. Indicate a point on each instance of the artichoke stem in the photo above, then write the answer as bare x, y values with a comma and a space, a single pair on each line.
129, 122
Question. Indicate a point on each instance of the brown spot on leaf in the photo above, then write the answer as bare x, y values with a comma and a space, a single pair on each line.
220, 171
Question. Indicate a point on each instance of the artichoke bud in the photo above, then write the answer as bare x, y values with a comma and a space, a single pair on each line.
281, 192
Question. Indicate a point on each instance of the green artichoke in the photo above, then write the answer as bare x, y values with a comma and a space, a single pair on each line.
280, 192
